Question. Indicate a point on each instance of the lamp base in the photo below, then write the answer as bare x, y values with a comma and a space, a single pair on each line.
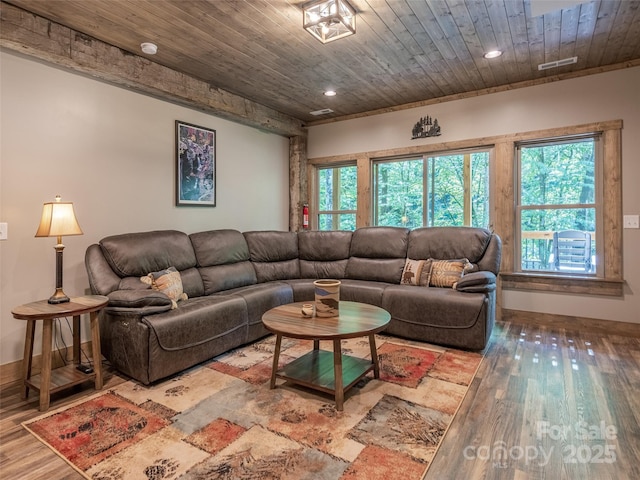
58, 297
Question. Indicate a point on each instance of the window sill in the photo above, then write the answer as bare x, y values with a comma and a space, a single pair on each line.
563, 283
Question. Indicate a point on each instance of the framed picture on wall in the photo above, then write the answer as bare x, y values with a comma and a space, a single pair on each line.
195, 165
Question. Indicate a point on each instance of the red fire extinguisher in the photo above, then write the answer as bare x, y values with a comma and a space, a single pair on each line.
305, 216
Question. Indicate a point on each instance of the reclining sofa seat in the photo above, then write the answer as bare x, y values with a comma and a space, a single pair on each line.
445, 315
232, 278
140, 334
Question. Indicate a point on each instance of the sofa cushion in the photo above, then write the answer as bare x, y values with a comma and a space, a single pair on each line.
478, 282
436, 307
416, 272
379, 270
132, 283
492, 256
323, 254
225, 277
333, 269
363, 291
274, 255
223, 260
102, 279
378, 254
167, 281
444, 243
219, 247
137, 254
380, 242
138, 302
262, 297
324, 246
192, 282
446, 273
198, 321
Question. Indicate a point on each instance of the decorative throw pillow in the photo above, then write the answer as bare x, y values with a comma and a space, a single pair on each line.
416, 272
446, 273
168, 282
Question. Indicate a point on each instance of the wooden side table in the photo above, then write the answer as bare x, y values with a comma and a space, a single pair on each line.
48, 381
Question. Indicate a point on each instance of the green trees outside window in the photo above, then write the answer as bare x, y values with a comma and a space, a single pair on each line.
444, 190
337, 198
557, 193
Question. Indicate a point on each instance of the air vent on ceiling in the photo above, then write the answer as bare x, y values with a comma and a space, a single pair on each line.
558, 63
324, 111
542, 7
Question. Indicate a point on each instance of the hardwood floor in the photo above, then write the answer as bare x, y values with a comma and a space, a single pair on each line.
22, 456
546, 404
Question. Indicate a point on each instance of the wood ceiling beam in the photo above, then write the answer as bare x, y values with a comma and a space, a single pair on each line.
37, 37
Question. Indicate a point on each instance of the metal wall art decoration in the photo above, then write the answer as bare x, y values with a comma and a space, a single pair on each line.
195, 165
426, 127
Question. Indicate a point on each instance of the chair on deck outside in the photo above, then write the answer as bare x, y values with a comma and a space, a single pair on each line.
572, 251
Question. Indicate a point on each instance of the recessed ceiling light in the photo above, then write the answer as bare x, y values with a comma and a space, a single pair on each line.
492, 54
330, 93
149, 48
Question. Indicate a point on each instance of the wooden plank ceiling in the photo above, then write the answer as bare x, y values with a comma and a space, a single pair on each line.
404, 51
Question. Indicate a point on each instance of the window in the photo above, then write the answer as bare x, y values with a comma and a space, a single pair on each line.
399, 193
337, 198
557, 205
442, 190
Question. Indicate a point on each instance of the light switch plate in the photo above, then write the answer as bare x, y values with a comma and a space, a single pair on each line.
4, 230
632, 221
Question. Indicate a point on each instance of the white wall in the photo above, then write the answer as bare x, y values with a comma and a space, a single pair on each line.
607, 96
111, 152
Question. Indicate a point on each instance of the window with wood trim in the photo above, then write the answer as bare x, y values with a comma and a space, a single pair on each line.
448, 189
337, 197
558, 205
602, 215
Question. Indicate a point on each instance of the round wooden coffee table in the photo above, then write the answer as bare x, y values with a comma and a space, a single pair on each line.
329, 372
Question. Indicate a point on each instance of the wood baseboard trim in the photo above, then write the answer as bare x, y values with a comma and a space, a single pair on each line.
571, 323
12, 372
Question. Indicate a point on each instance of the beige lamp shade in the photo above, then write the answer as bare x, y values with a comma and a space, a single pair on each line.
58, 220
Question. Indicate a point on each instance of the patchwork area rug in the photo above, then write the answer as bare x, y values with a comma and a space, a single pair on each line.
220, 420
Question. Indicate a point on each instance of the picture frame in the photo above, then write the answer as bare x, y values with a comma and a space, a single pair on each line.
195, 165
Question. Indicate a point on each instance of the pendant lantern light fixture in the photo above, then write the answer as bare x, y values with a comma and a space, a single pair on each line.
329, 20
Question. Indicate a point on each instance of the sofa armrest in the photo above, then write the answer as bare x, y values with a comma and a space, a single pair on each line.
477, 282
138, 302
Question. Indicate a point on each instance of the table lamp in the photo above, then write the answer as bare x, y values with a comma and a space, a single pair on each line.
58, 220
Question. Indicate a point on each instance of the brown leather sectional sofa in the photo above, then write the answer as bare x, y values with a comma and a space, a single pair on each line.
232, 278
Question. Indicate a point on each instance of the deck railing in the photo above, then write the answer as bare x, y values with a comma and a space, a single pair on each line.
537, 251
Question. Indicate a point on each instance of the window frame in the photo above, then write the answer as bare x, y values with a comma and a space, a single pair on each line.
375, 186
611, 283
597, 205
315, 223
428, 159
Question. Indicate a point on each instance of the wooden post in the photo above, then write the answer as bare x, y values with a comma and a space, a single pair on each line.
466, 175
298, 186
363, 215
